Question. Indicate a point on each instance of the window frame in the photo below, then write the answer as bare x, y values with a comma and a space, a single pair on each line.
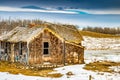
46, 48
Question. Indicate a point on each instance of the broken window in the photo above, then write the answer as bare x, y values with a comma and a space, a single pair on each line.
46, 48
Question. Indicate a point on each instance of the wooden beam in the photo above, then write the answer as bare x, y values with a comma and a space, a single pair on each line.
79, 57
27, 56
35, 60
20, 48
0, 48
64, 53
83, 56
12, 52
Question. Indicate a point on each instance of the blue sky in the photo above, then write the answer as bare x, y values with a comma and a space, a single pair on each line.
104, 13
89, 4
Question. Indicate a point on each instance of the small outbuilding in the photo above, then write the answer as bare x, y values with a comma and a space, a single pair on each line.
58, 45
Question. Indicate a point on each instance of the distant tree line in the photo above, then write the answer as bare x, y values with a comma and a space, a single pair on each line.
105, 30
7, 24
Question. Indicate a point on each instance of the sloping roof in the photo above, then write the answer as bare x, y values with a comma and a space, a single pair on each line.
67, 33
26, 34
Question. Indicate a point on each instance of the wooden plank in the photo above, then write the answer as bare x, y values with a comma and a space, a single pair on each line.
20, 48
64, 53
12, 52
0, 48
79, 57
27, 56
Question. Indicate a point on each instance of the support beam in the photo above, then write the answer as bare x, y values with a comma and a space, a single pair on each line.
20, 48
12, 52
83, 55
35, 60
0, 47
27, 56
79, 57
64, 53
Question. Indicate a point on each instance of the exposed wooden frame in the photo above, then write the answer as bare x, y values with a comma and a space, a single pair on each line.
64, 56
0, 48
20, 48
12, 52
28, 51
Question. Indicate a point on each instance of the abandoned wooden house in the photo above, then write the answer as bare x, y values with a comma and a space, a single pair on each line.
58, 45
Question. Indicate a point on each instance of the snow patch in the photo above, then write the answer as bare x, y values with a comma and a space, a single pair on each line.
92, 43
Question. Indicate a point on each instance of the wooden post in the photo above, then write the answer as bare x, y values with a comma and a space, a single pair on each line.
27, 56
0, 51
12, 52
35, 58
79, 57
83, 55
0, 48
20, 48
90, 77
64, 53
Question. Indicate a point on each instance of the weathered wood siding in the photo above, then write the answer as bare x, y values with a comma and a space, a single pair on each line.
55, 55
35, 50
5, 50
20, 54
74, 54
11, 52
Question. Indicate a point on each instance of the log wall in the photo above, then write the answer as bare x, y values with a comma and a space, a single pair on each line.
15, 54
11, 52
5, 50
74, 54
55, 49
35, 50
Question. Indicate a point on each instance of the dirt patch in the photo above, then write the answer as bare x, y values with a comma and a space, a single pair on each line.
17, 68
101, 66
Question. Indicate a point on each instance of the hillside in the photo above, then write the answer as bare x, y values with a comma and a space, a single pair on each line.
98, 35
8, 25
98, 41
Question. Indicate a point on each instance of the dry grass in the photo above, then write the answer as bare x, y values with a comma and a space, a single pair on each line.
98, 35
103, 66
17, 68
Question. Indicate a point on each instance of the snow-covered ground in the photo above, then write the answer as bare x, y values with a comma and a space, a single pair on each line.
92, 43
96, 49
81, 74
78, 74
77, 70
98, 55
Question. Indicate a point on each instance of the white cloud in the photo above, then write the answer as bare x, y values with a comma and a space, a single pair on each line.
3, 8
109, 11
112, 11
67, 11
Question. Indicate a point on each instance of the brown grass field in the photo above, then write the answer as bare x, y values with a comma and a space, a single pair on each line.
17, 68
